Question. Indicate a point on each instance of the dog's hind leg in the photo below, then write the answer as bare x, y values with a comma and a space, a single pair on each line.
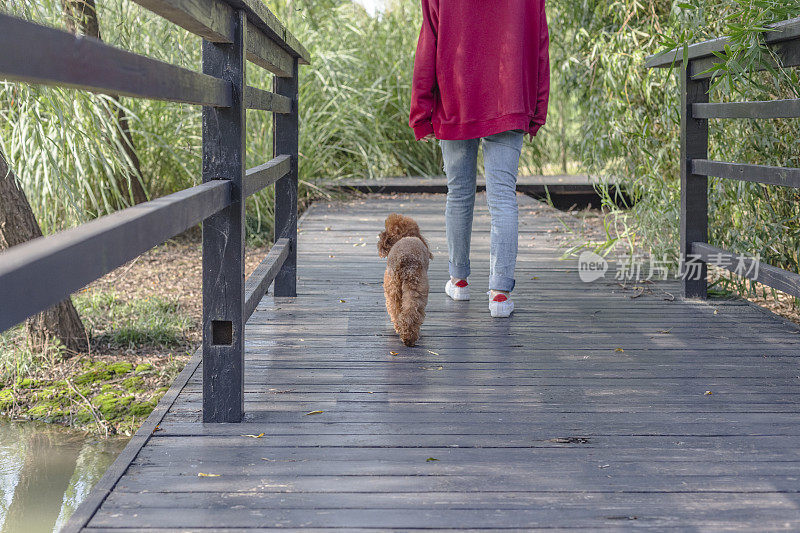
412, 312
391, 289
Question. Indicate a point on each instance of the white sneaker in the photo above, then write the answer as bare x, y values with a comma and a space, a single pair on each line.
500, 306
458, 291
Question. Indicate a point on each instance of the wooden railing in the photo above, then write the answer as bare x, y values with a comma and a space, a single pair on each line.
696, 110
42, 272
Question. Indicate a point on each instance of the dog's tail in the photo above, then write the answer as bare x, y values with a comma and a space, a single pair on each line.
414, 297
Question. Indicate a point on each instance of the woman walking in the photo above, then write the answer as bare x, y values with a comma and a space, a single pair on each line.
481, 76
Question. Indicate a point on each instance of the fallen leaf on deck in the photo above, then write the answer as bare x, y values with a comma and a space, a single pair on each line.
432, 352
343, 301
327, 228
314, 413
665, 331
708, 393
201, 474
571, 440
618, 350
392, 353
535, 277
254, 436
429, 459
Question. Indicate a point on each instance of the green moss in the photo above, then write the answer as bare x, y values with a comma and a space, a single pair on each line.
142, 409
26, 383
111, 405
143, 368
97, 371
48, 393
133, 384
82, 417
47, 410
122, 367
6, 399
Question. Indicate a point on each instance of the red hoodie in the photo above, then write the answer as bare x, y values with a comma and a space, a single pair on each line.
482, 67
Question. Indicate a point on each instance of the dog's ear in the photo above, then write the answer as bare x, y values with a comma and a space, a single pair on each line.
390, 235
383, 244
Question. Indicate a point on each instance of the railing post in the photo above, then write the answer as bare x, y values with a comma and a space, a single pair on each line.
694, 188
286, 141
223, 236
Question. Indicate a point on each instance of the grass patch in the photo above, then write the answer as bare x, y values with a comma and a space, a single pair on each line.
138, 346
120, 323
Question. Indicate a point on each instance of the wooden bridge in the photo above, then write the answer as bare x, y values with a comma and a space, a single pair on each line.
586, 409
598, 405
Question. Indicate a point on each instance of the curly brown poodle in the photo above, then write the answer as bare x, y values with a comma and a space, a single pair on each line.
405, 282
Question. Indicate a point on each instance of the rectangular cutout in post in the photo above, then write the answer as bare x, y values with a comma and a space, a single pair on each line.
221, 332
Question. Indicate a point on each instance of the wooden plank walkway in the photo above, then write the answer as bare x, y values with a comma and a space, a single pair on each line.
538, 421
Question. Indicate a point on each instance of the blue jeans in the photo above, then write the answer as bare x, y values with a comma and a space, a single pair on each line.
501, 163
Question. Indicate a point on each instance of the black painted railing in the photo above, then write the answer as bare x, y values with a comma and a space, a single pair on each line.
42, 272
784, 39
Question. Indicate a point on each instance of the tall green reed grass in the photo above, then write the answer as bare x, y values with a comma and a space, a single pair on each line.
619, 119
630, 121
354, 99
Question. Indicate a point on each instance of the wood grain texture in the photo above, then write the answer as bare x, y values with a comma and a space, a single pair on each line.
788, 108
266, 101
39, 273
769, 175
286, 140
783, 280
257, 178
37, 54
267, 53
259, 15
532, 422
224, 234
694, 187
784, 31
259, 281
210, 20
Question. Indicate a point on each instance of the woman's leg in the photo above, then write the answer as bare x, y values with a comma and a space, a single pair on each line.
461, 167
501, 163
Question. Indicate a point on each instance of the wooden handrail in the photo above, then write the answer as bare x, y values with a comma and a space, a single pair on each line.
42, 272
211, 21
38, 54
37, 274
786, 30
257, 178
266, 101
696, 110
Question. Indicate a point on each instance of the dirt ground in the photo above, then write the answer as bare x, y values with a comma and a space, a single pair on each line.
173, 269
